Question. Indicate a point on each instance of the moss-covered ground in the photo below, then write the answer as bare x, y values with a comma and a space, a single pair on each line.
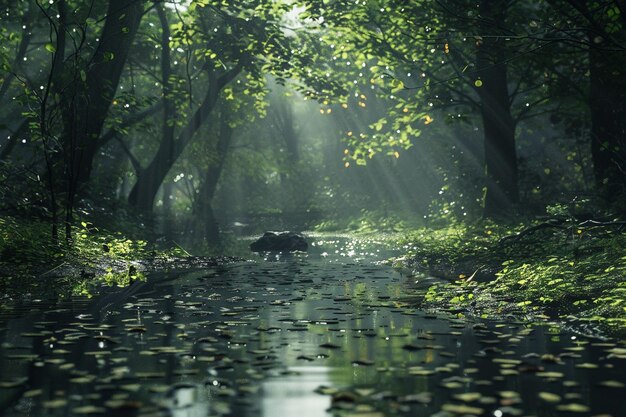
561, 268
32, 263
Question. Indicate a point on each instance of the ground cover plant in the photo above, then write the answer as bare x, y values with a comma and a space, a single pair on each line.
565, 268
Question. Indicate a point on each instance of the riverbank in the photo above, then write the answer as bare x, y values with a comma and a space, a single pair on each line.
33, 265
558, 268
328, 328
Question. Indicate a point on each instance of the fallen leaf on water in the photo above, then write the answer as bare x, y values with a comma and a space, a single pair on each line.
587, 365
573, 408
550, 374
136, 329
451, 385
549, 397
550, 358
411, 347
505, 361
330, 346
24, 357
508, 394
462, 409
364, 392
326, 390
507, 372
468, 396
87, 379
422, 398
88, 409
575, 349
13, 383
362, 362
58, 403
612, 384
33, 393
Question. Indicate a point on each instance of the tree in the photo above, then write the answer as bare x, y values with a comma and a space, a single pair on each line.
457, 57
244, 42
606, 36
87, 97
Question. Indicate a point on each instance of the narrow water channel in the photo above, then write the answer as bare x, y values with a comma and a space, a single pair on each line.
329, 333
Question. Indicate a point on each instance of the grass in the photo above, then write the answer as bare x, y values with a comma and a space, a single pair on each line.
30, 260
568, 270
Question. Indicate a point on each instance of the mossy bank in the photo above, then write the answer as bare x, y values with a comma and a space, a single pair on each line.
563, 269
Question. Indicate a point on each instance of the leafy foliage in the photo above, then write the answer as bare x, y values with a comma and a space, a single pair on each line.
31, 262
574, 271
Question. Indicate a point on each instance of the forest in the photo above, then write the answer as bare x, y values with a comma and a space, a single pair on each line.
452, 175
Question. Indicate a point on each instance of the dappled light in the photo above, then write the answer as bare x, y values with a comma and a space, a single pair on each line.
330, 208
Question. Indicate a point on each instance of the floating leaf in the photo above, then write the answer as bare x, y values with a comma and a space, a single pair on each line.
573, 408
468, 396
57, 403
420, 371
421, 398
549, 397
550, 374
612, 384
88, 409
587, 365
13, 383
462, 409
508, 394
33, 393
326, 390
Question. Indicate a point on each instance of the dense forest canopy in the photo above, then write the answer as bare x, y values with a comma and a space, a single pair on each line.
312, 207
210, 113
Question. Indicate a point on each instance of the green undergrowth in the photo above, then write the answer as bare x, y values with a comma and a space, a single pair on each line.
367, 221
562, 268
30, 261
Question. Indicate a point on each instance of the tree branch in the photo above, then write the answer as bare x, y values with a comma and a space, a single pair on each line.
129, 121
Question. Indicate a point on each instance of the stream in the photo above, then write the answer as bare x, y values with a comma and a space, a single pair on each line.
327, 333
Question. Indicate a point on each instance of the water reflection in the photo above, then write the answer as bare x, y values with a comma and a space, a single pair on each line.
260, 339
188, 401
294, 395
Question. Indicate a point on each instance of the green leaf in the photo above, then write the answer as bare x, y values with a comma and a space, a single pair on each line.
397, 85
50, 48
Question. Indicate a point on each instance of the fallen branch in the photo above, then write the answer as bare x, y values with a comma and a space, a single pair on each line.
552, 223
595, 223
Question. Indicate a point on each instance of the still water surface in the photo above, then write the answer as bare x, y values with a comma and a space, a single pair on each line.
328, 333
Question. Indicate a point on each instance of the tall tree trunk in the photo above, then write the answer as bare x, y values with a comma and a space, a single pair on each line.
203, 208
169, 110
498, 124
98, 84
289, 153
169, 116
607, 103
150, 178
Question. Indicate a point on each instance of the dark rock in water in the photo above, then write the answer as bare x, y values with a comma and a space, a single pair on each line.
280, 242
